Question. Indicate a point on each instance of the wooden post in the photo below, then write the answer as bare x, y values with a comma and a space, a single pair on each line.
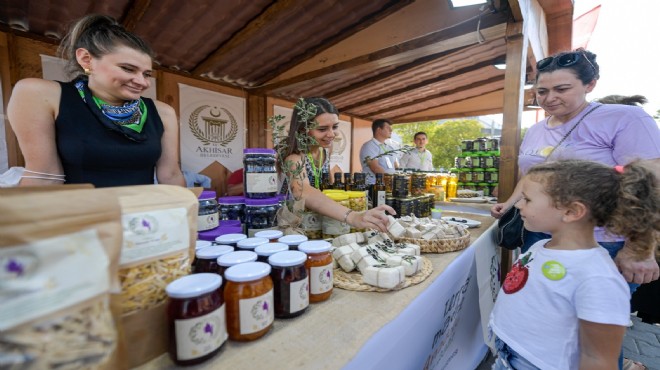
514, 80
257, 122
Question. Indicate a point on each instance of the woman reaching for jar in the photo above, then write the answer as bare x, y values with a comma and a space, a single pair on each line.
97, 128
315, 121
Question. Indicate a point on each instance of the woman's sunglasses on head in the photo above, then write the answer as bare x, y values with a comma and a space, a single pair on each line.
565, 60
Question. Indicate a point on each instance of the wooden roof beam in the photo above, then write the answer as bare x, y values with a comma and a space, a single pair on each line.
451, 38
135, 14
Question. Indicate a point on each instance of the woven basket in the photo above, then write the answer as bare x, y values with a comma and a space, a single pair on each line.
439, 245
353, 280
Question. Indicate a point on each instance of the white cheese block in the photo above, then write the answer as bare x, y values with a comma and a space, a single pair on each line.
384, 277
411, 264
363, 259
396, 229
343, 257
344, 240
409, 249
412, 232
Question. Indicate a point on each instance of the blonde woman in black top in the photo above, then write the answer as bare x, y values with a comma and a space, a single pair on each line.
97, 128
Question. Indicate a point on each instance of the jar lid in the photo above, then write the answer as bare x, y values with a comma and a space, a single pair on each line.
236, 257
337, 197
231, 200
269, 234
207, 194
356, 194
213, 251
262, 202
202, 244
269, 249
477, 169
287, 258
292, 239
230, 238
193, 285
492, 169
251, 243
258, 151
315, 246
247, 271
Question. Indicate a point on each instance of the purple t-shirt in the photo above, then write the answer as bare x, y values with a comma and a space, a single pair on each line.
613, 134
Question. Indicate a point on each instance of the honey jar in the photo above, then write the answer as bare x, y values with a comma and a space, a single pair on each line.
319, 269
196, 318
249, 301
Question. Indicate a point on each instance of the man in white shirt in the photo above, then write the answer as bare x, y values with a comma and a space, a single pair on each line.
420, 159
382, 130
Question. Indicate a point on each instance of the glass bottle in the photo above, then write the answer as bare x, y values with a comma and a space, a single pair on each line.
325, 181
378, 191
338, 184
348, 181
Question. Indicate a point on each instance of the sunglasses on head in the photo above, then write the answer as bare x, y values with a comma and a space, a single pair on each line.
565, 60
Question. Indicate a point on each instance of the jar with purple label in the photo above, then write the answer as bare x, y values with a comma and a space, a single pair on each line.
259, 173
232, 208
234, 258
207, 215
290, 283
261, 214
196, 318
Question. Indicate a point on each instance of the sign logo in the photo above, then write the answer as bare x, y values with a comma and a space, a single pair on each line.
339, 142
216, 128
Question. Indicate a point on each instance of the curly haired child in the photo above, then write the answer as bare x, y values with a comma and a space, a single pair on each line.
564, 304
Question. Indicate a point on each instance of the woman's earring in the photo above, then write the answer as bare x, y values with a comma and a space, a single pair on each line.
87, 71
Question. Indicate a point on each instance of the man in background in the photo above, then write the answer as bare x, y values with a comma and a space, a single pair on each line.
419, 159
382, 130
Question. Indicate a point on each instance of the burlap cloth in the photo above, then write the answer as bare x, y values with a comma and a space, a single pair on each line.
330, 333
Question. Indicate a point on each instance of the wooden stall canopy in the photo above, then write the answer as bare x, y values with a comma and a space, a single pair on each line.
405, 60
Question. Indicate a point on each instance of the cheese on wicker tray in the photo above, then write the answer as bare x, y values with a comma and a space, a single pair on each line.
384, 276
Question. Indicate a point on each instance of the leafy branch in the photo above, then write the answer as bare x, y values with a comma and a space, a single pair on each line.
405, 149
294, 170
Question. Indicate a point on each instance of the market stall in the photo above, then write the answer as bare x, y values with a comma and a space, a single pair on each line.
432, 324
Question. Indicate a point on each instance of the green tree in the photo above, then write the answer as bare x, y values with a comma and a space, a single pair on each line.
444, 137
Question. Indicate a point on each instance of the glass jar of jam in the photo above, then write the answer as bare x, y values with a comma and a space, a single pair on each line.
248, 244
249, 301
230, 239
207, 215
234, 258
259, 173
261, 214
293, 240
271, 235
290, 283
319, 269
206, 258
196, 318
266, 250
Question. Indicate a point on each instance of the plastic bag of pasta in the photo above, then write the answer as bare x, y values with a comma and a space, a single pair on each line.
159, 228
59, 250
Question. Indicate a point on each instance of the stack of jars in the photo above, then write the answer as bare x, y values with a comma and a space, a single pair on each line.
410, 192
478, 165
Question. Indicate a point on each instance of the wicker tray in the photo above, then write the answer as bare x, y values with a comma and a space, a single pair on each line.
439, 245
353, 280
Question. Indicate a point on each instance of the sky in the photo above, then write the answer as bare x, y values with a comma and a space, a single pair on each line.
627, 49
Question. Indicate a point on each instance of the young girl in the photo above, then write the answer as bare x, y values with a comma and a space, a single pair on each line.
564, 304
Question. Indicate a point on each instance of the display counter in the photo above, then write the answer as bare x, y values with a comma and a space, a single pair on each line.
433, 324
